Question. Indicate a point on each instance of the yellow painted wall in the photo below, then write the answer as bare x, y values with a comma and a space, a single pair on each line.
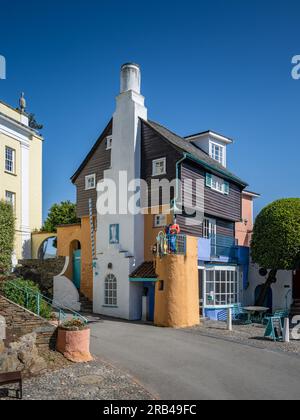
68, 234
36, 241
13, 183
177, 305
10, 112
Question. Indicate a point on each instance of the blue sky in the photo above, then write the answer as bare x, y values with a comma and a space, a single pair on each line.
223, 65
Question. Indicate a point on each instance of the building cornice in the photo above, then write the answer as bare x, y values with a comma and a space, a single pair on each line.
16, 130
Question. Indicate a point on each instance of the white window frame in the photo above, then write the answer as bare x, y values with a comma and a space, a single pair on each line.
212, 152
11, 161
232, 287
154, 166
12, 199
217, 184
87, 178
110, 290
109, 142
159, 220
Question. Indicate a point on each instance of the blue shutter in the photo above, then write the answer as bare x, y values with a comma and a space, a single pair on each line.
226, 187
208, 180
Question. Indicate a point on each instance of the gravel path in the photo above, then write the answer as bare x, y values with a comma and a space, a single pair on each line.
88, 381
246, 334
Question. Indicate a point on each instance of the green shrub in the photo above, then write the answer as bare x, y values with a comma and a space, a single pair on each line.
14, 291
74, 325
7, 234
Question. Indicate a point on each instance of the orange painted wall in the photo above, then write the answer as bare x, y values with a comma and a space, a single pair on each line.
151, 232
65, 236
243, 231
177, 305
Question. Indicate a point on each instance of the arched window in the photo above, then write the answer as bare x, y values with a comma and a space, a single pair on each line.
110, 290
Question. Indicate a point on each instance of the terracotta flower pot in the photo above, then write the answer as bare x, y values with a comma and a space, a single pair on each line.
74, 345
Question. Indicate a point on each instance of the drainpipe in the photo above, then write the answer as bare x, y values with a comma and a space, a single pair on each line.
174, 201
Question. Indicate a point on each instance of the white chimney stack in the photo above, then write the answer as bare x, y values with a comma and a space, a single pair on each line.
130, 78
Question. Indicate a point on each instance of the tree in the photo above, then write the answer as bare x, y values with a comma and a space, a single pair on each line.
7, 236
60, 214
275, 242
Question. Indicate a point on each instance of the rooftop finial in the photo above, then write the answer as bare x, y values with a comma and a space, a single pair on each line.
22, 102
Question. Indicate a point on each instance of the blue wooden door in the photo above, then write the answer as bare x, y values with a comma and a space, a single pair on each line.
77, 268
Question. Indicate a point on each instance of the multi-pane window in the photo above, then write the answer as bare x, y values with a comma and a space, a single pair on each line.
110, 290
10, 198
222, 287
108, 142
159, 167
90, 182
217, 153
10, 156
217, 184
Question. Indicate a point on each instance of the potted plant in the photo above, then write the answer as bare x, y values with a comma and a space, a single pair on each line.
73, 341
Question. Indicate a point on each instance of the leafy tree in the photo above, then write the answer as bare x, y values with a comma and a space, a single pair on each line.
276, 240
60, 214
7, 235
33, 123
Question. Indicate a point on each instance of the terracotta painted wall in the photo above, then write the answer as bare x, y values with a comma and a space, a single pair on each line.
243, 230
65, 236
177, 305
151, 232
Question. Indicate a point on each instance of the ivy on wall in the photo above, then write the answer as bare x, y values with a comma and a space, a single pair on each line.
7, 235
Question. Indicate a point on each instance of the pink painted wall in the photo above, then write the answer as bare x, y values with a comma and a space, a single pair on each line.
243, 230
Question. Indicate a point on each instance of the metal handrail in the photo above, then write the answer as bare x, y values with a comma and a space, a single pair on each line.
171, 244
53, 303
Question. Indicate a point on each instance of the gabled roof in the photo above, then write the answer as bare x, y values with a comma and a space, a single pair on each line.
194, 152
212, 133
91, 152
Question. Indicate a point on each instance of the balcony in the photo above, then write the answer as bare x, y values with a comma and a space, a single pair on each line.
171, 244
218, 248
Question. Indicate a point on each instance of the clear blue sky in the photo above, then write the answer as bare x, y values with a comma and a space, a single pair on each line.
223, 65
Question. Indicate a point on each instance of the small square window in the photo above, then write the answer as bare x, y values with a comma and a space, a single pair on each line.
159, 167
108, 142
161, 285
160, 220
90, 182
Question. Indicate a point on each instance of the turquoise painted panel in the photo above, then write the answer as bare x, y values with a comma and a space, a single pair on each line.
77, 268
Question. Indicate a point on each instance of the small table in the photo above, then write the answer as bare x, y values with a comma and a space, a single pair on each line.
251, 310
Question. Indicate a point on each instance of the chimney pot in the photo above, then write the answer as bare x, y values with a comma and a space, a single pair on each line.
130, 78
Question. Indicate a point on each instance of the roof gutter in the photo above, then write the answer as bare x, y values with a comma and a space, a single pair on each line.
175, 199
219, 171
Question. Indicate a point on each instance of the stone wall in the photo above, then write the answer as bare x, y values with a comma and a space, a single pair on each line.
41, 272
20, 322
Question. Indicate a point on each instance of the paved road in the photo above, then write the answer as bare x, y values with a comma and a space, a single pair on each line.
177, 364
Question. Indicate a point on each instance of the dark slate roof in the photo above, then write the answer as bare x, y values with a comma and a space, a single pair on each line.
144, 271
194, 152
91, 152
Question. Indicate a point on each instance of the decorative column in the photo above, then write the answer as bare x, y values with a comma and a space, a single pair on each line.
25, 205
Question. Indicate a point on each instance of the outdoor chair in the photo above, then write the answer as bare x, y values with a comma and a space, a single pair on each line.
281, 313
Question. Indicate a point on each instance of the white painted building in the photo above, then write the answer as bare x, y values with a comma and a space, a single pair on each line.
120, 237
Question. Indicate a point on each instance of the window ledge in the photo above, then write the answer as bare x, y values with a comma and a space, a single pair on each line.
10, 173
109, 306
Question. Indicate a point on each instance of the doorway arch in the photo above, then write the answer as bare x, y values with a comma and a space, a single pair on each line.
75, 253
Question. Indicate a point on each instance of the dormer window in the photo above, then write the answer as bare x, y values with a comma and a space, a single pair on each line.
217, 153
108, 142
